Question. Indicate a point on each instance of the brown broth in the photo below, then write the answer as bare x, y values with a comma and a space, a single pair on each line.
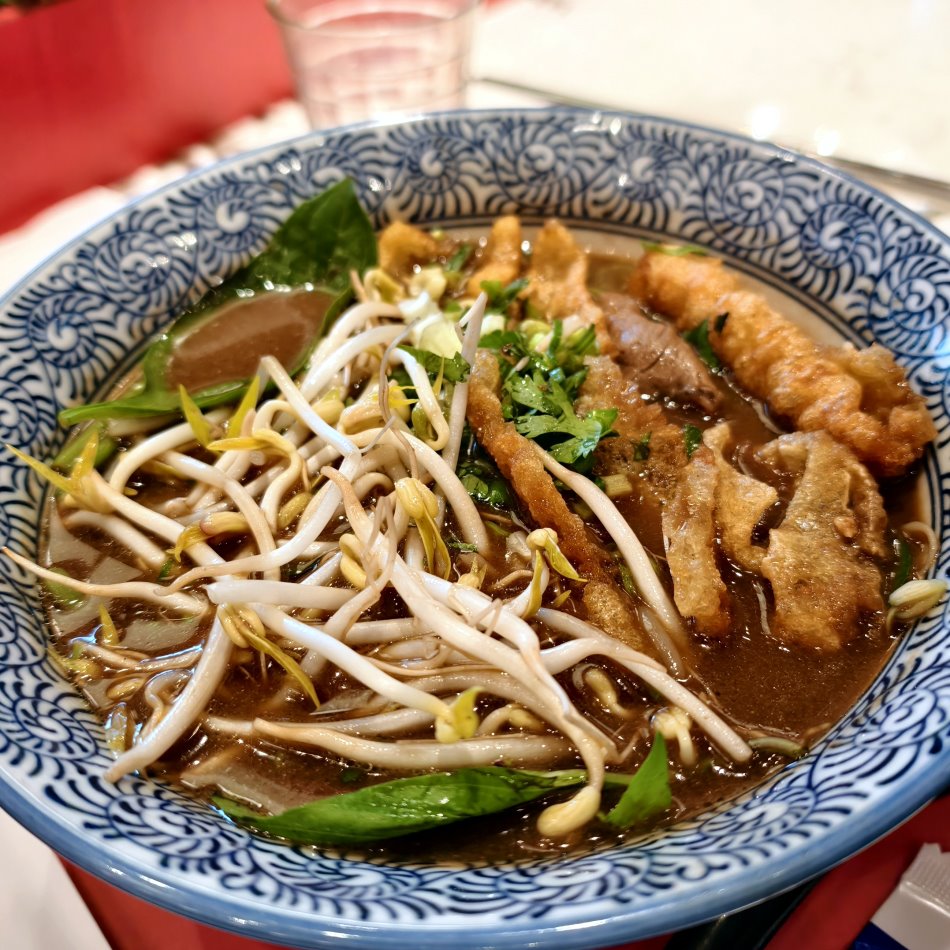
229, 345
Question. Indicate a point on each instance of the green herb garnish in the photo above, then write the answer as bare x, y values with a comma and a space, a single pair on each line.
904, 563
65, 598
318, 246
404, 806
352, 775
454, 370
501, 296
410, 805
648, 793
485, 483
455, 264
72, 450
641, 448
699, 338
693, 437
462, 546
539, 389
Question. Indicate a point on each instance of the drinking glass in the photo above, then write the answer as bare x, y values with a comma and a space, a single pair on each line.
363, 59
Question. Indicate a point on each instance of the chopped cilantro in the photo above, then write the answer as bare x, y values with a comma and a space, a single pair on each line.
501, 297
539, 389
462, 546
641, 449
693, 437
699, 338
454, 370
454, 265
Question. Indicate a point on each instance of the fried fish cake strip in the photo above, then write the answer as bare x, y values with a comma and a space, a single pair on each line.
821, 558
402, 246
741, 503
502, 258
516, 458
557, 281
862, 398
689, 528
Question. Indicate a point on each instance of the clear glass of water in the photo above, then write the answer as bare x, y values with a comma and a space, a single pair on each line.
367, 59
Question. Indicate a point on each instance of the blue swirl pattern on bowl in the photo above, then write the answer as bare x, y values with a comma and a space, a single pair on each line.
870, 268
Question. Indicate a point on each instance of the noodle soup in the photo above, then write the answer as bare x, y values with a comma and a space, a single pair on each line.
521, 537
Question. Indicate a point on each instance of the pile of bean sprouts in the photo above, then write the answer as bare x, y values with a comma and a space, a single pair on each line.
334, 443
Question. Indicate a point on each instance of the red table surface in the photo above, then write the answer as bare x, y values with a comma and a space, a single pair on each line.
829, 918
91, 90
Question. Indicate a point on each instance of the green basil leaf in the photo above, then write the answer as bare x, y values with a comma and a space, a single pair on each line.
404, 806
317, 246
699, 338
648, 793
693, 438
454, 370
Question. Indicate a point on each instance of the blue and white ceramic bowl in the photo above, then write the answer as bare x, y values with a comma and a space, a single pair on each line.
863, 266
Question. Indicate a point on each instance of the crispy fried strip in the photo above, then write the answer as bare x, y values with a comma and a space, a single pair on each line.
823, 580
689, 529
741, 501
558, 281
501, 260
402, 245
518, 461
861, 397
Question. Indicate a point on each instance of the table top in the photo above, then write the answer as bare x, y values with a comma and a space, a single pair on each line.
860, 80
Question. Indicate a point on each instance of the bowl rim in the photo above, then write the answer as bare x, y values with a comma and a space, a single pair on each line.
165, 888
